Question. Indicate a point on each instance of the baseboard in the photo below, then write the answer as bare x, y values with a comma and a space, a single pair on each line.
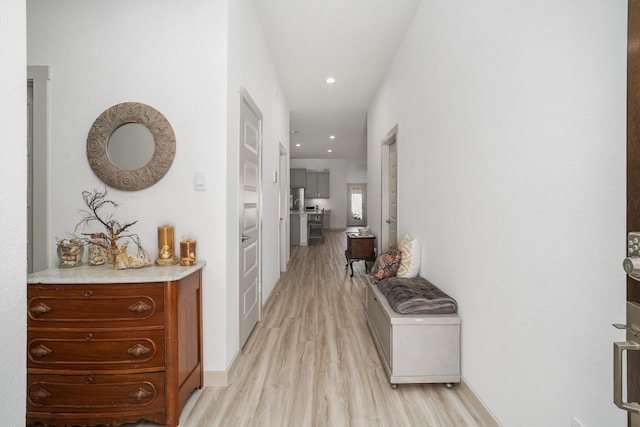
472, 400
216, 378
219, 378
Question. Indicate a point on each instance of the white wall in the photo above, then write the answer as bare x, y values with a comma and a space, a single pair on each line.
178, 57
356, 171
511, 142
13, 227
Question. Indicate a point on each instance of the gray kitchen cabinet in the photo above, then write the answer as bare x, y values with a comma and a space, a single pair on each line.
311, 187
317, 186
326, 219
295, 229
298, 178
323, 185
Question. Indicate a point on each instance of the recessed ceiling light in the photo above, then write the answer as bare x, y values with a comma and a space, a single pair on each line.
329, 151
331, 80
297, 145
332, 137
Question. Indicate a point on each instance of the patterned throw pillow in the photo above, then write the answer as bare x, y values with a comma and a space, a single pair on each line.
410, 263
386, 265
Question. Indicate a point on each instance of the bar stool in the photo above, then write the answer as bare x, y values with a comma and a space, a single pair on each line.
315, 223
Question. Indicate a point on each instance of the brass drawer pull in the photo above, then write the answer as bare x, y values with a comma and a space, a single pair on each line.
40, 394
88, 337
40, 308
140, 307
138, 350
140, 394
89, 380
88, 294
41, 351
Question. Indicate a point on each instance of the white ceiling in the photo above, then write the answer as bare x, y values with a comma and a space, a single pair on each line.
352, 41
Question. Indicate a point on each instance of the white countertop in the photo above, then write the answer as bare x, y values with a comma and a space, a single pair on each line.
106, 274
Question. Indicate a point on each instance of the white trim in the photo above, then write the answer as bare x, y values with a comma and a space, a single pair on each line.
39, 77
470, 399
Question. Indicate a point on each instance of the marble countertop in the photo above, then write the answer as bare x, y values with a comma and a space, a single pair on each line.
106, 274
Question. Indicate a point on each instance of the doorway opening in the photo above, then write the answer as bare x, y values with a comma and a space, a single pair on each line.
356, 205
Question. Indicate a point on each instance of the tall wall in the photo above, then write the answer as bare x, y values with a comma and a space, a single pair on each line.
178, 57
13, 227
511, 158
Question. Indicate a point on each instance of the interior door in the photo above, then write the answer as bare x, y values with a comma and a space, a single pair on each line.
632, 345
389, 203
392, 220
249, 259
283, 210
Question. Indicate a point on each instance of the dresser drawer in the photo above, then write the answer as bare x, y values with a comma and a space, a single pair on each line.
94, 350
107, 305
95, 393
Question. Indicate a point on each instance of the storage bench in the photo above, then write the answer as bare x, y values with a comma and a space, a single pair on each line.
414, 348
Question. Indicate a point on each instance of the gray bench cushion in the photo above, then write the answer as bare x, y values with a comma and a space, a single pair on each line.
416, 295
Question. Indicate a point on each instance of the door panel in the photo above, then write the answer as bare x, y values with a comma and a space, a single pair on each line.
393, 194
633, 174
249, 259
389, 201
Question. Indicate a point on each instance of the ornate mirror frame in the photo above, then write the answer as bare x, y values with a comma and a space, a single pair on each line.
110, 120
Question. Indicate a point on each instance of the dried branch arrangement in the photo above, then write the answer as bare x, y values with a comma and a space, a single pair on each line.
96, 202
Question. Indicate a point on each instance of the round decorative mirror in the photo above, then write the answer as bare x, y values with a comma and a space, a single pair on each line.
131, 146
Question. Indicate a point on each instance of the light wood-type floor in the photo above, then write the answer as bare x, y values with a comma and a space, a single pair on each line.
310, 361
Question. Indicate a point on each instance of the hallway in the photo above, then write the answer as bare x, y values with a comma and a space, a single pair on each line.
312, 362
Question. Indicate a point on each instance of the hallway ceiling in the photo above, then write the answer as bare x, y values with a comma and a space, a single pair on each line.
352, 41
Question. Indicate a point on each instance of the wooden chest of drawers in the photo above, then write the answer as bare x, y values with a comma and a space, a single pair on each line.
113, 353
360, 248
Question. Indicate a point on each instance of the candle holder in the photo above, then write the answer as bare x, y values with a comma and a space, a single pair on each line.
70, 252
188, 252
96, 252
165, 246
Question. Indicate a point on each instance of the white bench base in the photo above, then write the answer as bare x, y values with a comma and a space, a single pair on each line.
414, 348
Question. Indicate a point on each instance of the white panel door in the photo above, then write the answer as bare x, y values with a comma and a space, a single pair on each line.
392, 220
249, 260
389, 202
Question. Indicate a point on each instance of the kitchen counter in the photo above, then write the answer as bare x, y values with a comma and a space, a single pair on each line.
314, 211
298, 224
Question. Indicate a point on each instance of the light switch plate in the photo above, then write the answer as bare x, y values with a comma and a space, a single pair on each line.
199, 180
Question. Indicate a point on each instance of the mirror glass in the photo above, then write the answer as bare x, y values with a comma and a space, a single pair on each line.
130, 146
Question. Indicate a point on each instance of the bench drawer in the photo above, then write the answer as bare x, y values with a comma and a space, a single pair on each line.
379, 325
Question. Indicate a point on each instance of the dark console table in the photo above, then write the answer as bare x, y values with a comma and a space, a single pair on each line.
360, 247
